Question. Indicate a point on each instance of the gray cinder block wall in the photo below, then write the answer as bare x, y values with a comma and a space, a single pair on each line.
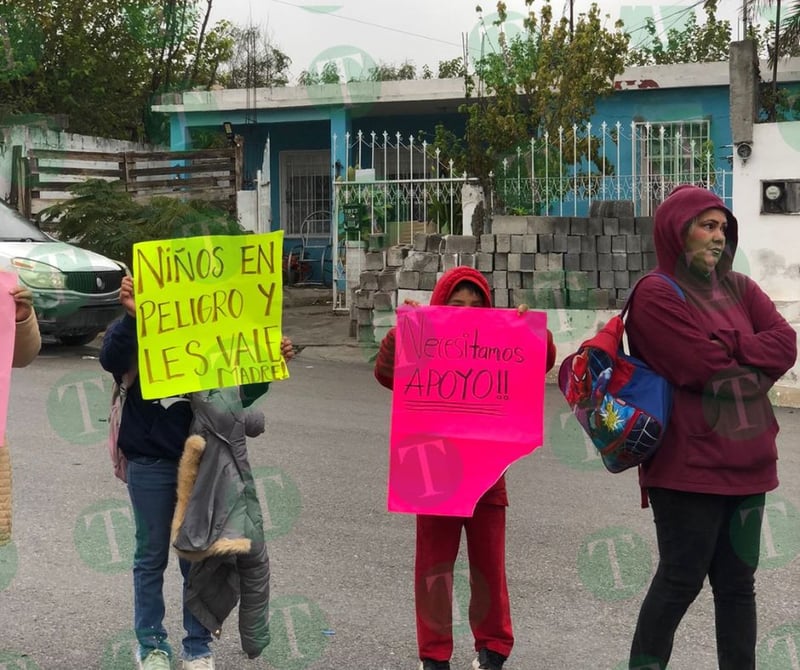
545, 262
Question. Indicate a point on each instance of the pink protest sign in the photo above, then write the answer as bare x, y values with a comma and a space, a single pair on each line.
8, 330
468, 401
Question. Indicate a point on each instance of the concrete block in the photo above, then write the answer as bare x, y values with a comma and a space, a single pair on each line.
648, 243
595, 226
634, 276
622, 279
434, 243
449, 261
527, 280
527, 262
644, 226
514, 262
634, 244
501, 261
598, 298
395, 256
575, 281
427, 280
541, 225
549, 279
572, 262
587, 244
484, 261
368, 281
635, 262
619, 244
603, 244
500, 279
489, 277
514, 280
384, 319
649, 260
487, 243
364, 317
387, 281
605, 279
500, 298
578, 298
460, 244
540, 262
559, 244
384, 301
529, 244
579, 225
363, 299
619, 262
588, 261
377, 242
421, 261
544, 244
555, 261
420, 242
561, 225
626, 225
408, 279
502, 243
374, 260
422, 297
604, 263
516, 244
610, 226
509, 225
365, 333
466, 259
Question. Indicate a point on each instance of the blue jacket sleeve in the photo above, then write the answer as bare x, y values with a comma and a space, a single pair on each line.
118, 351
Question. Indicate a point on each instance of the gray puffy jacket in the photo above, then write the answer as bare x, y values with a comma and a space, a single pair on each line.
218, 522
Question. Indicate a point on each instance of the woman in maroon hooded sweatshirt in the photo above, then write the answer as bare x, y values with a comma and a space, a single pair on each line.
722, 346
438, 537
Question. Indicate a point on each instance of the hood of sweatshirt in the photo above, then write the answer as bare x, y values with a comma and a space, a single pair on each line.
453, 277
673, 217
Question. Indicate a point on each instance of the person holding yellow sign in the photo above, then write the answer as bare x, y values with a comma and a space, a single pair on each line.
152, 436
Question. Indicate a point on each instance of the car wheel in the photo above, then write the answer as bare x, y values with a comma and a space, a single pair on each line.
78, 340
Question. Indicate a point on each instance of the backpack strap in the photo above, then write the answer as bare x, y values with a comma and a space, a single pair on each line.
666, 278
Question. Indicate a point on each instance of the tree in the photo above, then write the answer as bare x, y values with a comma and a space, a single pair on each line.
545, 77
388, 72
691, 43
256, 61
99, 62
328, 75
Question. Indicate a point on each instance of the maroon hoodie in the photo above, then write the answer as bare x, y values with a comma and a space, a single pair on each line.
384, 363
722, 347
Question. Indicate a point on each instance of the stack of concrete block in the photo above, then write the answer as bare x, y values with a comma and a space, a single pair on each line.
565, 262
405, 272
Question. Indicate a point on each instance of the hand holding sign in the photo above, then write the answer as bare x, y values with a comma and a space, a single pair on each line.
468, 402
208, 312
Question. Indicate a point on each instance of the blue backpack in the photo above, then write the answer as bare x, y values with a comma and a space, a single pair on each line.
621, 404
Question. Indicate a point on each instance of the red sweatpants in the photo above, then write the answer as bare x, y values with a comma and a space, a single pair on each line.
438, 538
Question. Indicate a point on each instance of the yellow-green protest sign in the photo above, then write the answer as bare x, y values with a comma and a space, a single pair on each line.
208, 312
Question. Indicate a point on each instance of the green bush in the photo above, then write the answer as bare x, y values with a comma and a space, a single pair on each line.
104, 218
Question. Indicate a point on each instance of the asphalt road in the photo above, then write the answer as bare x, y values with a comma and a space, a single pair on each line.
580, 550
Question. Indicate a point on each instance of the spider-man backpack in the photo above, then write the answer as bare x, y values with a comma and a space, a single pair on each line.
617, 399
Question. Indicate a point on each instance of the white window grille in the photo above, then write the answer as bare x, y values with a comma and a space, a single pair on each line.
672, 153
305, 190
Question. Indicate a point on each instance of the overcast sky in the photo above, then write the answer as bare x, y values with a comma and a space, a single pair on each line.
421, 31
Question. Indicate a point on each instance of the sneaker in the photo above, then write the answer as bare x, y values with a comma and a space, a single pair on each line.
430, 664
155, 660
488, 660
203, 663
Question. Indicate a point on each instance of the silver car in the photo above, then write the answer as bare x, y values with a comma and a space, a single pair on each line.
75, 291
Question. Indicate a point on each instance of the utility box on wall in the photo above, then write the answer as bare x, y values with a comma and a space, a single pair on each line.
780, 196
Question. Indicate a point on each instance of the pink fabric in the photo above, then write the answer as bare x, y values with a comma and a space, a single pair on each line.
9, 330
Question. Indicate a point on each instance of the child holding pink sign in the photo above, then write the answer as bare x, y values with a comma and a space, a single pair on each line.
438, 537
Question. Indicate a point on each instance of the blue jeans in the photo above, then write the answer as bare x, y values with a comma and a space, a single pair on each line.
694, 532
151, 485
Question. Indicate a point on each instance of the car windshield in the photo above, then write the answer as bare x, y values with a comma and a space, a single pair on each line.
14, 228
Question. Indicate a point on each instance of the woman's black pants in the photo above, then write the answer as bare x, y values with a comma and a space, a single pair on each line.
702, 535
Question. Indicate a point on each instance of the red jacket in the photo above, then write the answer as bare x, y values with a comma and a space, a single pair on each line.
722, 348
384, 363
